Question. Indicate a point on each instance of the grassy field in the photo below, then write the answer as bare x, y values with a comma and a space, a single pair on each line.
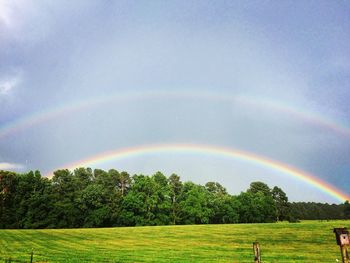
309, 241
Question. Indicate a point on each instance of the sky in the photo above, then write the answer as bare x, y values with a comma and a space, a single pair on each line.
271, 78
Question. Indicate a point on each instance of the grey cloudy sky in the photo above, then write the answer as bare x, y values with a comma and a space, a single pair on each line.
268, 77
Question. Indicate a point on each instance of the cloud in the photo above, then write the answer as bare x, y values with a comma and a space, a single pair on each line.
10, 166
8, 84
22, 21
6, 13
10, 16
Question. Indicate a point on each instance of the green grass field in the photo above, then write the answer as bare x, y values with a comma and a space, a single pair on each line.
309, 241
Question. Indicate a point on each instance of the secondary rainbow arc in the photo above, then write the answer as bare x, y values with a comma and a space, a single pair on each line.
211, 150
49, 114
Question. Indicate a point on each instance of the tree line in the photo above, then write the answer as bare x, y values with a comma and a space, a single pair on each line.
98, 198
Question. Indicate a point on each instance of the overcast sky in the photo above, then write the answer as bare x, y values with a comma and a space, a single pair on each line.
78, 78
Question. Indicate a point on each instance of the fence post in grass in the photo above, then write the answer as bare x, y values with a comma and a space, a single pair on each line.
257, 256
343, 241
31, 257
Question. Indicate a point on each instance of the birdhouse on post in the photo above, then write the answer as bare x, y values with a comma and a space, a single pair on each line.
343, 240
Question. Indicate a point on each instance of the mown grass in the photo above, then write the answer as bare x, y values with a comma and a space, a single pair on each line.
309, 241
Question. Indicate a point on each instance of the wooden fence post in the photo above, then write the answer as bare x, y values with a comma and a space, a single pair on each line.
257, 254
343, 241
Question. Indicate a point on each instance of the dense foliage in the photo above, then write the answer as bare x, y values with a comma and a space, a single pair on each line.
320, 211
87, 198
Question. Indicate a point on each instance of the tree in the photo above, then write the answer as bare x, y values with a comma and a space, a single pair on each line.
83, 177
223, 206
8, 185
256, 208
256, 187
175, 187
347, 209
28, 185
163, 205
224, 209
65, 191
93, 203
194, 204
215, 188
124, 181
113, 195
147, 201
282, 205
40, 203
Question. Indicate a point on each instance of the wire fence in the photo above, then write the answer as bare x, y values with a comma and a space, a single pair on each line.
39, 258
11, 259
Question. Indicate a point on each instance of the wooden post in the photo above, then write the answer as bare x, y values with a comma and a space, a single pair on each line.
344, 254
31, 257
256, 249
343, 241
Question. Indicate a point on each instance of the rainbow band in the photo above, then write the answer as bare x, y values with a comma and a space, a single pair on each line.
212, 150
49, 114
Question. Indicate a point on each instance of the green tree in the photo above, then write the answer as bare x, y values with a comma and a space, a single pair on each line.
147, 201
215, 188
347, 209
256, 208
124, 181
40, 203
256, 187
282, 204
28, 185
65, 212
8, 185
223, 206
82, 177
175, 188
194, 204
163, 205
113, 195
93, 203
224, 209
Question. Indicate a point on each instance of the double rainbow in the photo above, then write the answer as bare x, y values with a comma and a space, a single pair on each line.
304, 115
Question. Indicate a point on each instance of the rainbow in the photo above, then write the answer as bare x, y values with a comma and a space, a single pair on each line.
47, 115
211, 150
36, 118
